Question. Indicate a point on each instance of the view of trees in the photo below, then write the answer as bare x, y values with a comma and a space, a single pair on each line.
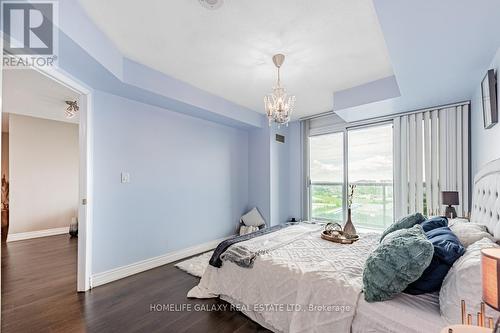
369, 166
372, 205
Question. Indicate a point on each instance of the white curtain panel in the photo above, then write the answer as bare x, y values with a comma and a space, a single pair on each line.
431, 154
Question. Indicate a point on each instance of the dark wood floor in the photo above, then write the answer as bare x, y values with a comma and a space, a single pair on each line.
39, 295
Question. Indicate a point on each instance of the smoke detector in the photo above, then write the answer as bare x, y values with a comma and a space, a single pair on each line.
211, 4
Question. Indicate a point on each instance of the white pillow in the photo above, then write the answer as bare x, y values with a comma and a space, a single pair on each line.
469, 232
463, 282
246, 230
253, 218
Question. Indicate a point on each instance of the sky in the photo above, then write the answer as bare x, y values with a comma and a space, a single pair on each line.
370, 155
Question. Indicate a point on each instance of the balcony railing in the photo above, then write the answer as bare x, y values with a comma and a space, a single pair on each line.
372, 205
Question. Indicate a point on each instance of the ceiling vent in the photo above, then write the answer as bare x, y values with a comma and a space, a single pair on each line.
211, 4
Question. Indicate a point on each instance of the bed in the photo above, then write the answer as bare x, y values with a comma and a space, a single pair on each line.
301, 283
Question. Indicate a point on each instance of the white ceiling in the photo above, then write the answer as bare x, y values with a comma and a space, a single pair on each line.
330, 45
29, 93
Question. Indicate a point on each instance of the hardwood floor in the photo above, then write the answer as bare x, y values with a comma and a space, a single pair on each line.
39, 295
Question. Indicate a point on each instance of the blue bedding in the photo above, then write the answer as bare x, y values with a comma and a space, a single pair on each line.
447, 249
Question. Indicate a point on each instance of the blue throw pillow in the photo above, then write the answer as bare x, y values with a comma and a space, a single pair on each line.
447, 249
403, 223
435, 222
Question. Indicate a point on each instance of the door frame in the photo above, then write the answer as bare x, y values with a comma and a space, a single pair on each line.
85, 181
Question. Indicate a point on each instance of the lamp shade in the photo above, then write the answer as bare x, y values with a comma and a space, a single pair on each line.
490, 266
450, 198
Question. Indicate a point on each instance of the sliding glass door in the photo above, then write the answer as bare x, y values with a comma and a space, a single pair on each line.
326, 164
370, 161
360, 156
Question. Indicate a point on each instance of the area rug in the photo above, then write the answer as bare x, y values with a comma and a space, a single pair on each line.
195, 266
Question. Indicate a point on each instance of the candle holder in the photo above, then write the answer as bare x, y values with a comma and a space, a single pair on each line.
481, 319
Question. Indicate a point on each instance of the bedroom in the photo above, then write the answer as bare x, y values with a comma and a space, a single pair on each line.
389, 96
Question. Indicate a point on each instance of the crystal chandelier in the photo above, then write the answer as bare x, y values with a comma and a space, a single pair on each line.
279, 105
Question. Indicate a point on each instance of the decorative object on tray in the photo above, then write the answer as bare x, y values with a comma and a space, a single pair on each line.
349, 226
333, 232
5, 208
450, 198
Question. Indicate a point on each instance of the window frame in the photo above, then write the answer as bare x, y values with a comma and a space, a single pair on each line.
345, 138
310, 183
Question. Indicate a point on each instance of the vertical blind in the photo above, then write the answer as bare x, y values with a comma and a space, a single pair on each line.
431, 154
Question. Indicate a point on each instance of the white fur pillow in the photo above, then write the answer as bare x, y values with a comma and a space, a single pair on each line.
469, 232
246, 230
463, 282
253, 218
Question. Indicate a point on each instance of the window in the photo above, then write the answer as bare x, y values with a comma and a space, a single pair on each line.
363, 156
371, 169
326, 165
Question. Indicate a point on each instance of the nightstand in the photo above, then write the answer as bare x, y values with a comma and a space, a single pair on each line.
466, 329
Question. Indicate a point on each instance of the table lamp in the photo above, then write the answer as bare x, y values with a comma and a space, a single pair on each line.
490, 266
450, 198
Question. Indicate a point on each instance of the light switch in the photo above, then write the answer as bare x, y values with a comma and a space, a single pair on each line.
125, 177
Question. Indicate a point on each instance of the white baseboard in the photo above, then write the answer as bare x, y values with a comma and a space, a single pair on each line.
36, 234
147, 264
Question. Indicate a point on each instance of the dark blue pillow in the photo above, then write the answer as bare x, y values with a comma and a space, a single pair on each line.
447, 249
435, 222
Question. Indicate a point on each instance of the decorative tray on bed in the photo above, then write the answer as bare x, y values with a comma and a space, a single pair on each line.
333, 233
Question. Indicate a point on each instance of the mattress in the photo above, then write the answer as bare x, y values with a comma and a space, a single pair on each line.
287, 279
405, 313
307, 284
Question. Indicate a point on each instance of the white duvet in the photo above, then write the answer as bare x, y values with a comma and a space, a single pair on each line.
300, 283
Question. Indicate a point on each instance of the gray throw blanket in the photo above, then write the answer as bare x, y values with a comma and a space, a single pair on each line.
244, 254
223, 246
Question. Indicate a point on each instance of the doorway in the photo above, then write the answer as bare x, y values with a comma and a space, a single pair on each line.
48, 91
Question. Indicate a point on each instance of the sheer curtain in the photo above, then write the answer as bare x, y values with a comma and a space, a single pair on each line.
431, 154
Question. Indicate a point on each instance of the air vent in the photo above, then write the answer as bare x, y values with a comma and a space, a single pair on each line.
211, 4
280, 138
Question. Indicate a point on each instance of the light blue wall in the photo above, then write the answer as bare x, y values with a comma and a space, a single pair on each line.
271, 187
280, 191
189, 181
259, 157
186, 150
484, 143
197, 161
